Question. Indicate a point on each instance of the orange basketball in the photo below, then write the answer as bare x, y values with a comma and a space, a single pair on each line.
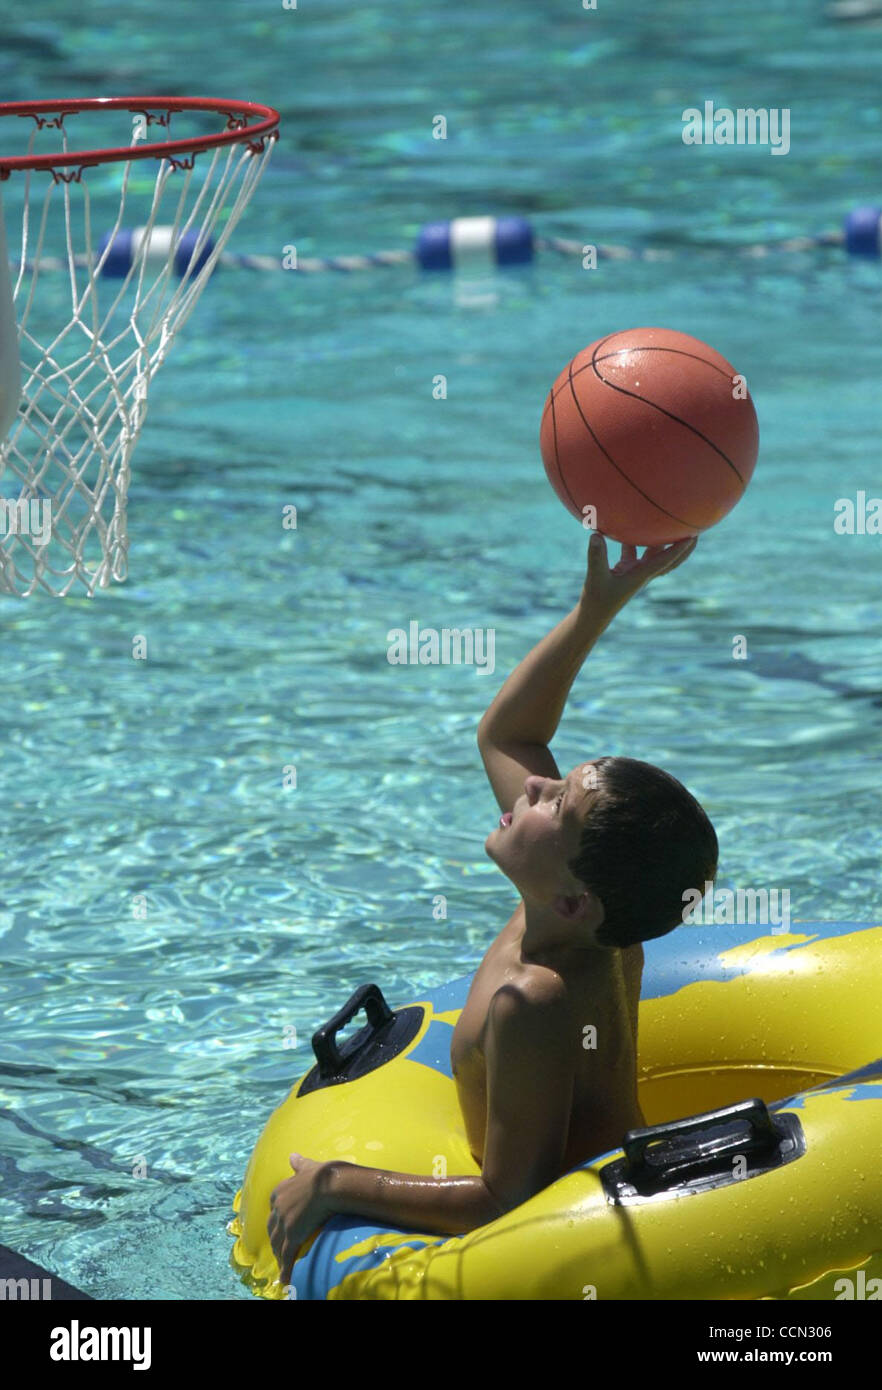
654, 430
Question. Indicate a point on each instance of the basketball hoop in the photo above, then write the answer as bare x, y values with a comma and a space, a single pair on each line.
137, 253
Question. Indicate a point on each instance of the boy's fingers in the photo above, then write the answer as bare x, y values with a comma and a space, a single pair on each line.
596, 549
674, 554
656, 559
688, 545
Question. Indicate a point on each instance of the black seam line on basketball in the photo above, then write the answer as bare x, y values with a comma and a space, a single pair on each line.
677, 352
623, 391
587, 366
560, 473
600, 342
628, 480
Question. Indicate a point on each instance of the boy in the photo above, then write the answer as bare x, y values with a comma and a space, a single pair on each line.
601, 858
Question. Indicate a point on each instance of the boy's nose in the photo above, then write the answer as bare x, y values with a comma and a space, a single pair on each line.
533, 788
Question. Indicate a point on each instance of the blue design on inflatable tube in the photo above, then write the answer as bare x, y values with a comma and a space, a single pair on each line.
693, 954
865, 1083
433, 1049
322, 1269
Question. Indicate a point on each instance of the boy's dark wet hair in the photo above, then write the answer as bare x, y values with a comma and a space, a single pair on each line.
645, 842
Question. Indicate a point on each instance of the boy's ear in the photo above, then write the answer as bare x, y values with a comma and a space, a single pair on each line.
578, 907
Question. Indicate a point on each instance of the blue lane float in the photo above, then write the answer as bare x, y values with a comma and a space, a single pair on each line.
465, 242
863, 232
124, 247
456, 244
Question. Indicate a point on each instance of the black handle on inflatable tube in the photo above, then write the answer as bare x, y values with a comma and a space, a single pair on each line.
753, 1112
367, 997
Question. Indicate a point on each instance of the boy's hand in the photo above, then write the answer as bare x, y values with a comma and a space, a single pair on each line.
610, 589
298, 1206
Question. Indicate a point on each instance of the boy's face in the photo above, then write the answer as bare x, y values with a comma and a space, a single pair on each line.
543, 835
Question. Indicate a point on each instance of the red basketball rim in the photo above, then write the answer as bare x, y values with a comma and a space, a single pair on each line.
248, 122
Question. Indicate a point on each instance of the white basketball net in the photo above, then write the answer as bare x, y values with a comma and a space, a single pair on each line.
85, 386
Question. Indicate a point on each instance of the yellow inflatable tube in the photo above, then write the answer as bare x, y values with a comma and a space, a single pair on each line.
780, 1196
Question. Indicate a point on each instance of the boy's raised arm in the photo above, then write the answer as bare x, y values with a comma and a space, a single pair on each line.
515, 732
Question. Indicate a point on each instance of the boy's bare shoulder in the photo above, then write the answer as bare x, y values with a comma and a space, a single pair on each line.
529, 1020
535, 992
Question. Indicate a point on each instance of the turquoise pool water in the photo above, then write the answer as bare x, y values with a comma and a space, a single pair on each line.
156, 1045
